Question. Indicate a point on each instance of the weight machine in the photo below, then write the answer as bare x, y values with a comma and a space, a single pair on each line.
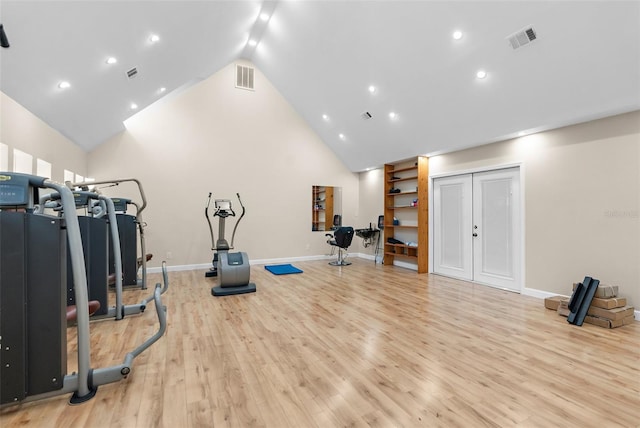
33, 339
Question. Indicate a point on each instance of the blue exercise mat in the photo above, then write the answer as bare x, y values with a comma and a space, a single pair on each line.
282, 269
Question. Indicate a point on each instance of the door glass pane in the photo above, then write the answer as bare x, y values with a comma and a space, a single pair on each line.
497, 227
451, 219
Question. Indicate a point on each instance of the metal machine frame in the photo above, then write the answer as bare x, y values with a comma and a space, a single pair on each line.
16, 194
85, 185
106, 206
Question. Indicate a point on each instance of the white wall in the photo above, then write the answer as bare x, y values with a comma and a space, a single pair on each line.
216, 138
582, 201
20, 129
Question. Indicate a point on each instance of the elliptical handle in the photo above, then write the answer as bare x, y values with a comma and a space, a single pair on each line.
233, 235
206, 215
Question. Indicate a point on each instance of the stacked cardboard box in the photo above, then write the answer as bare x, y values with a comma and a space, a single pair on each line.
607, 309
553, 302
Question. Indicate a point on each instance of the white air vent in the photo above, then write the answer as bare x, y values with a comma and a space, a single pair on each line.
366, 115
522, 37
244, 77
132, 73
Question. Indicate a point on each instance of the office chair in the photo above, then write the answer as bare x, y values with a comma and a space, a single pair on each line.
341, 238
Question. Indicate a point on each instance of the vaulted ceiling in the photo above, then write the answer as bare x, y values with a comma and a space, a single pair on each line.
334, 61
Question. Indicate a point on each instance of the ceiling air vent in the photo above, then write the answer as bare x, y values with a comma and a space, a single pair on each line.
244, 77
366, 115
132, 73
522, 37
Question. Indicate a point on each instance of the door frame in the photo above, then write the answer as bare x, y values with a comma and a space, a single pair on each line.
487, 168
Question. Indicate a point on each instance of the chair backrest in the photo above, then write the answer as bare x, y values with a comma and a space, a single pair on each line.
343, 236
337, 221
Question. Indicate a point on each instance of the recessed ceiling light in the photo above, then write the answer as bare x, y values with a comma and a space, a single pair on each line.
264, 17
393, 115
325, 117
481, 74
521, 134
457, 35
133, 106
111, 60
161, 90
64, 85
252, 42
342, 137
372, 89
154, 38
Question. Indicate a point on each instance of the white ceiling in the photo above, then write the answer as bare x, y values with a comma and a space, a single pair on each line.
323, 55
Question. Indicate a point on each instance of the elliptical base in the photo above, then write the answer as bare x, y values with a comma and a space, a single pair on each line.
339, 263
76, 399
230, 291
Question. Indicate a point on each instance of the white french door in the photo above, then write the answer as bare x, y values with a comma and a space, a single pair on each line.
452, 218
477, 227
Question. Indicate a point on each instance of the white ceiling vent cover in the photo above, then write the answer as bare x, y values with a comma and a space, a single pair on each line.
131, 73
522, 37
244, 77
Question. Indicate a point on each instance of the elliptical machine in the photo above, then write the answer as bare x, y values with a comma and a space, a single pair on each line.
232, 269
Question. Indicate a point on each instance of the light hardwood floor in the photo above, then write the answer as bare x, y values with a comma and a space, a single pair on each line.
361, 345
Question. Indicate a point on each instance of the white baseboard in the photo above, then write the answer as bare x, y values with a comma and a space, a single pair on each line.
362, 256
540, 294
176, 268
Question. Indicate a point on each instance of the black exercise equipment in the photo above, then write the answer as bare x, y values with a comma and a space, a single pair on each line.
33, 271
232, 269
581, 300
93, 230
130, 229
341, 238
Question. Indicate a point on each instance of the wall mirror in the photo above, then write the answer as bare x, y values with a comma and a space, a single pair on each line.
326, 208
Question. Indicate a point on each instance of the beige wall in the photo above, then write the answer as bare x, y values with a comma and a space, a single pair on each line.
581, 183
582, 201
371, 185
20, 129
216, 138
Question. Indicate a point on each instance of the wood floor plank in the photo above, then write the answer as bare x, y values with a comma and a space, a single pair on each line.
362, 345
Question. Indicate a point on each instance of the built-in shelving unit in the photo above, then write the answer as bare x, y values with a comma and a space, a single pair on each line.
406, 212
322, 208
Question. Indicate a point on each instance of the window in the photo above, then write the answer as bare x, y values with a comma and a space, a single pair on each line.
4, 157
43, 168
22, 162
68, 175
